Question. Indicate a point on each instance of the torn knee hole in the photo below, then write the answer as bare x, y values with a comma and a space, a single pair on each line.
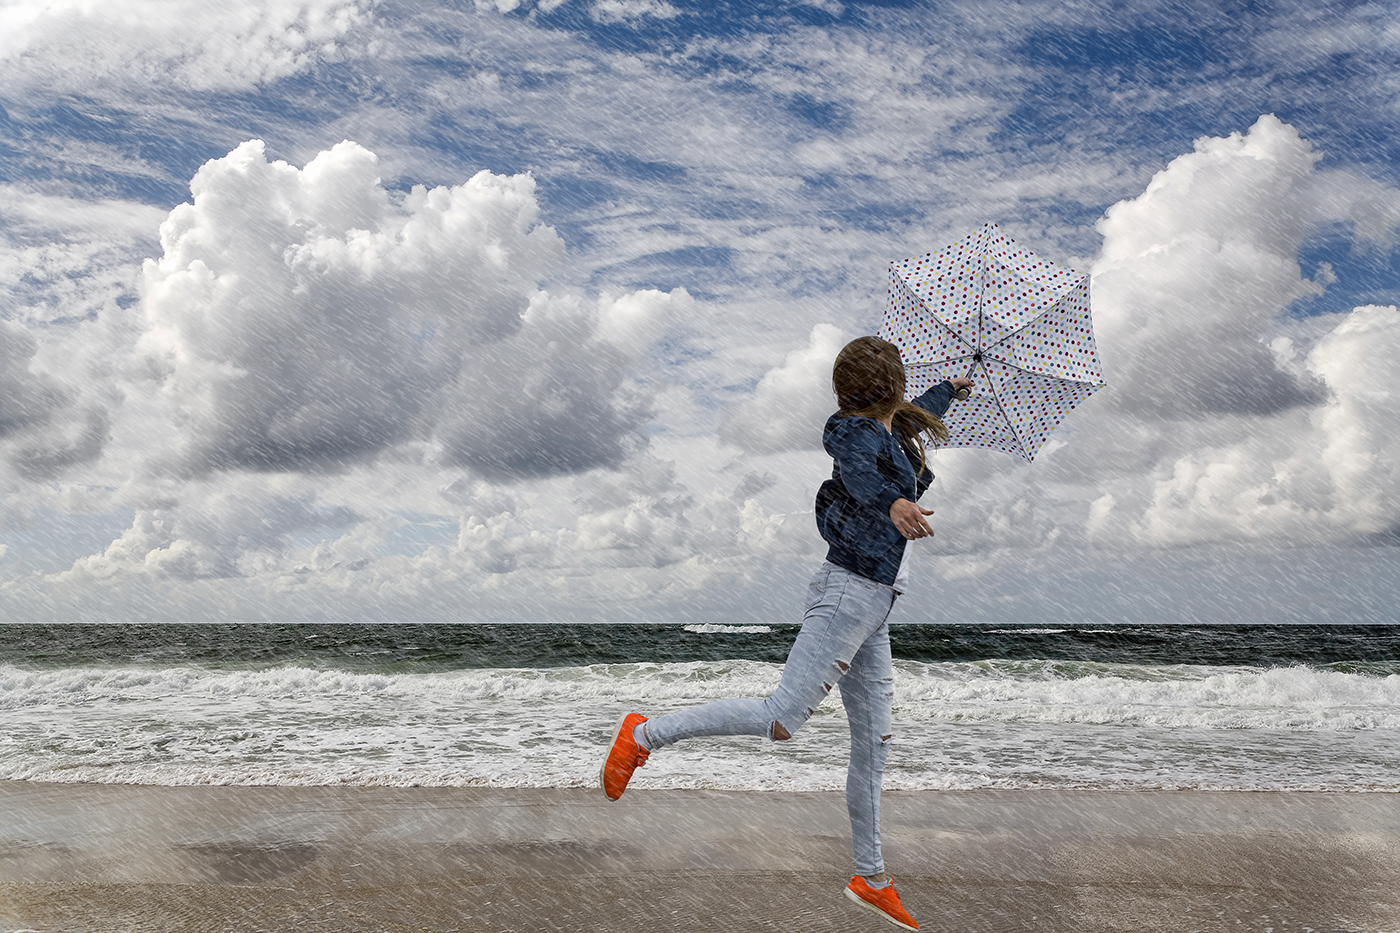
779, 733
826, 687
844, 666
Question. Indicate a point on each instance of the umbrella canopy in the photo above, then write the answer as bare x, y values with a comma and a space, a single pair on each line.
1015, 324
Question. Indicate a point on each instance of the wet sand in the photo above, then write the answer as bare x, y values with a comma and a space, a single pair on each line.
116, 858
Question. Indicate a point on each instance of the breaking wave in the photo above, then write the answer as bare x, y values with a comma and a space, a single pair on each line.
958, 724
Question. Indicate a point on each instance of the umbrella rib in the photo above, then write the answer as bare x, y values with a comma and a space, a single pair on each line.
998, 343
1013, 333
981, 358
934, 364
950, 329
1018, 330
1021, 444
957, 333
981, 295
1031, 372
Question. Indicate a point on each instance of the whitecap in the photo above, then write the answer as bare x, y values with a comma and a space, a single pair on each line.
997, 723
713, 629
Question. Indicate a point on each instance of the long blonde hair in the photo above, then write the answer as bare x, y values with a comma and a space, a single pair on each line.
868, 379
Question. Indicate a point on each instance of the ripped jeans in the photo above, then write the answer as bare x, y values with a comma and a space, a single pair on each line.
845, 639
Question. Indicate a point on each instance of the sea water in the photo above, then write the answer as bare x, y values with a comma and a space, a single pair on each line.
1212, 707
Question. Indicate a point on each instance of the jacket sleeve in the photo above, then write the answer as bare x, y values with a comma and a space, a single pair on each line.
937, 399
855, 445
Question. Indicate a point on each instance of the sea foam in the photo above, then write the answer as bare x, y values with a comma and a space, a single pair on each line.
963, 724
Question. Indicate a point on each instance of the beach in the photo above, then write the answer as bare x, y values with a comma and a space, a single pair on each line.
441, 778
94, 857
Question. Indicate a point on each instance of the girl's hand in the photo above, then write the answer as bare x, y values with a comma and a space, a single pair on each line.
961, 382
908, 517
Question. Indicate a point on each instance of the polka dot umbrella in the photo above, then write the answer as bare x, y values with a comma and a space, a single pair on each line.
1017, 325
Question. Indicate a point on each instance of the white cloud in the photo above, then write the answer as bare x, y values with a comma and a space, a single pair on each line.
26, 399
548, 399
1194, 272
46, 425
1310, 35
613, 10
791, 402
234, 529
193, 43
302, 319
1360, 423
1220, 424
65, 259
1320, 473
635, 322
372, 353
68, 267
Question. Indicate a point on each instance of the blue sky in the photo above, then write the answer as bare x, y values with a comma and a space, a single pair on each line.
591, 385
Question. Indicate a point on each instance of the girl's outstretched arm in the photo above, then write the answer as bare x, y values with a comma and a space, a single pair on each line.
938, 397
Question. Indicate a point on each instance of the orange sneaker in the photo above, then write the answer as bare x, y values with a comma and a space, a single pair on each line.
624, 757
884, 901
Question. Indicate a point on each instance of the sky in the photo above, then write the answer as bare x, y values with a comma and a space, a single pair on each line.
524, 310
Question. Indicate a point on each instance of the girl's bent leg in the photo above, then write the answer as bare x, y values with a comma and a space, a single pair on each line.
867, 692
843, 610
722, 717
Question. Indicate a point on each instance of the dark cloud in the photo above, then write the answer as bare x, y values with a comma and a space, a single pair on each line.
26, 399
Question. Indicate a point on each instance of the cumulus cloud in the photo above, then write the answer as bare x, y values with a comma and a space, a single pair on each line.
564, 392
305, 324
302, 319
1360, 423
26, 399
45, 426
1194, 272
1226, 419
641, 518
613, 10
307, 321
188, 42
234, 529
791, 401
637, 321
547, 400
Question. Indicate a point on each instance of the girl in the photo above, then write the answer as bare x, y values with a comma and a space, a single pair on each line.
867, 514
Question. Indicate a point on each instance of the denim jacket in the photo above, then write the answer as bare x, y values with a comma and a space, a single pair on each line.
872, 470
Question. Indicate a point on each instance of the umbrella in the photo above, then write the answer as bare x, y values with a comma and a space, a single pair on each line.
1015, 324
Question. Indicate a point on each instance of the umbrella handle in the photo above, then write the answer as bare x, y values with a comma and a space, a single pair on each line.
963, 394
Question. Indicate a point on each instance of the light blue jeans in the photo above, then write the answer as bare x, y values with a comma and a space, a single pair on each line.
845, 639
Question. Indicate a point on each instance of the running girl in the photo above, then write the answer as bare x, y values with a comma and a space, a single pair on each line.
868, 515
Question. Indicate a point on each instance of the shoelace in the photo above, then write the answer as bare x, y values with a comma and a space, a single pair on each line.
642, 756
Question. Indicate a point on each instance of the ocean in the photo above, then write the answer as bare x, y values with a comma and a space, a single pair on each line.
1206, 707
